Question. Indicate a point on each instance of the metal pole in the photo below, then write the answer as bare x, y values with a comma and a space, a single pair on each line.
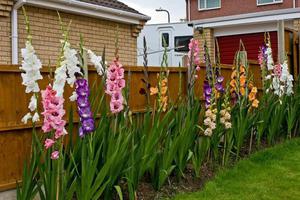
164, 10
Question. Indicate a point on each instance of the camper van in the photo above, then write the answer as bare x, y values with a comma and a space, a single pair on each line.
175, 36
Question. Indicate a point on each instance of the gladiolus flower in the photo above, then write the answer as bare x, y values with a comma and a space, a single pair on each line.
242, 80
116, 106
153, 90
228, 125
35, 117
97, 62
251, 96
55, 155
49, 143
255, 103
242, 91
26, 118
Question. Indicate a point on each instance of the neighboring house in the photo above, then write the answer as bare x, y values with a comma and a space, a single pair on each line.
228, 21
176, 36
96, 20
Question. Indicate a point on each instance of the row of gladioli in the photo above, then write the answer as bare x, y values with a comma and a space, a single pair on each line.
115, 152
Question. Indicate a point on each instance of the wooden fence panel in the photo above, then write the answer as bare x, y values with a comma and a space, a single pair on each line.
15, 137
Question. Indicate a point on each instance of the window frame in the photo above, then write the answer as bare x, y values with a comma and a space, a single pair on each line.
180, 37
205, 3
167, 41
263, 4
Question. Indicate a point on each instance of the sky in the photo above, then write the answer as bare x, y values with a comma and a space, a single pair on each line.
147, 7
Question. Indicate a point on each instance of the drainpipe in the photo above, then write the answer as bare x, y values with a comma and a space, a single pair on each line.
189, 10
294, 3
14, 36
14, 32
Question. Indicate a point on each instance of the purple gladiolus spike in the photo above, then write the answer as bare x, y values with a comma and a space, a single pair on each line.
84, 109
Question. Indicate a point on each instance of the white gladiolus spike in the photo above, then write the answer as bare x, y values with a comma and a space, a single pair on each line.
97, 62
35, 117
31, 66
26, 118
67, 70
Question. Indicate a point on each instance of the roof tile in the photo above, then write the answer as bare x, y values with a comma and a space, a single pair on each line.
112, 4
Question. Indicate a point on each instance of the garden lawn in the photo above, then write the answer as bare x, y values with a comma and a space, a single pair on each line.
267, 175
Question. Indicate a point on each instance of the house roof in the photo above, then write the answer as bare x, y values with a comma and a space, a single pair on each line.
106, 9
112, 4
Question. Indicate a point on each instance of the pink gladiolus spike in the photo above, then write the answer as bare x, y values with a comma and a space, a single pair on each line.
114, 84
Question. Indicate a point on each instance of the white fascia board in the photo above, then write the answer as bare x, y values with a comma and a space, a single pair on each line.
245, 29
75, 7
251, 20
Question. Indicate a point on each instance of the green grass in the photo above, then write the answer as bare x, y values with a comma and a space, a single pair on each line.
272, 174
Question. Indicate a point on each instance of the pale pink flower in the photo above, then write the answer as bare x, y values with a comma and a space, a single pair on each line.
116, 106
117, 96
110, 86
54, 155
60, 132
120, 73
120, 83
49, 143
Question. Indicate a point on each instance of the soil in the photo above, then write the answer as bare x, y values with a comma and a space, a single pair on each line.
189, 183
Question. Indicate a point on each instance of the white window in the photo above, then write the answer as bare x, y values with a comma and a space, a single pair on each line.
209, 4
266, 2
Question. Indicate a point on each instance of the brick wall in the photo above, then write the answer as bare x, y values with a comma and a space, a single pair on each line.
208, 35
5, 7
235, 7
297, 24
46, 35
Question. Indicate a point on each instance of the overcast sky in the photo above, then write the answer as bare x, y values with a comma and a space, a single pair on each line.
175, 7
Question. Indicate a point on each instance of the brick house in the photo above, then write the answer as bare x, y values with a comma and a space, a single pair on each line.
228, 21
96, 20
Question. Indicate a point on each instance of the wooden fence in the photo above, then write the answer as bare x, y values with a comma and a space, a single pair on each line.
15, 137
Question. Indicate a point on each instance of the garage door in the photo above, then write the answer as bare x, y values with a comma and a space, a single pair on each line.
228, 45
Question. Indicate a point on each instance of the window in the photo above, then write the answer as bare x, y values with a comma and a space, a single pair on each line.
165, 40
265, 2
209, 4
182, 43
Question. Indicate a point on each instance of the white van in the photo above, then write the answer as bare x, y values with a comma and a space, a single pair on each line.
177, 37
